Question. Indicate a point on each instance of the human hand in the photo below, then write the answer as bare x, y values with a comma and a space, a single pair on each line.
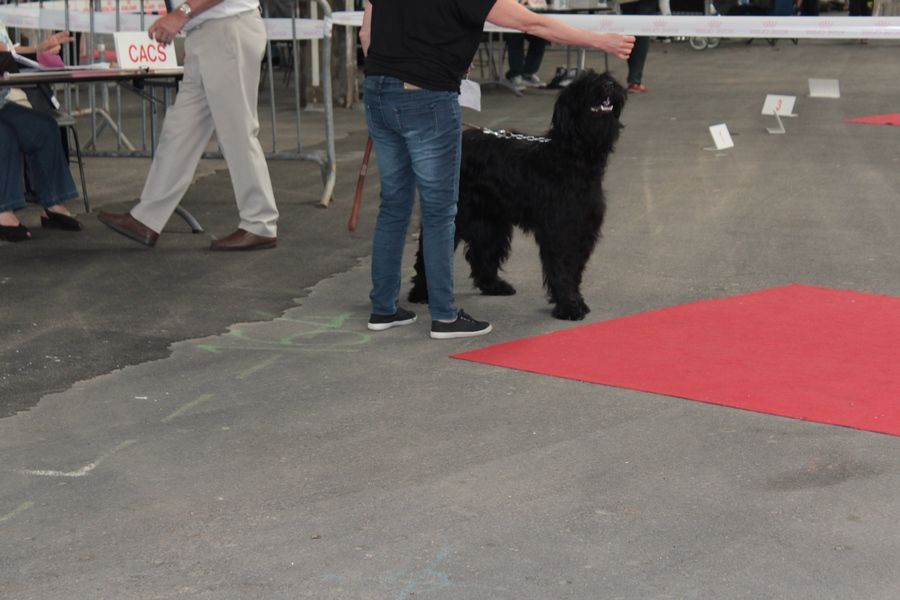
53, 43
166, 28
616, 44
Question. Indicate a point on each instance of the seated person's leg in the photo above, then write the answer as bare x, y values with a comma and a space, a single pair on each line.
45, 158
12, 193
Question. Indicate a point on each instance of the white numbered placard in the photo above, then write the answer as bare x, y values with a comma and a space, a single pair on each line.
779, 105
721, 136
824, 88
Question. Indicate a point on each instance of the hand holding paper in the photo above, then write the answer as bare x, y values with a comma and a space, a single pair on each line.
166, 28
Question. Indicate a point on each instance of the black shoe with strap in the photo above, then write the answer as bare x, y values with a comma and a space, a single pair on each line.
55, 220
14, 233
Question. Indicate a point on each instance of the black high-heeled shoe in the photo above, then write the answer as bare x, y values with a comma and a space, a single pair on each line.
55, 220
18, 233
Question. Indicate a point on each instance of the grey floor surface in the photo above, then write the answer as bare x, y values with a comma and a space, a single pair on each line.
183, 424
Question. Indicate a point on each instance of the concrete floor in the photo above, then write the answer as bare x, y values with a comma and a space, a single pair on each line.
178, 424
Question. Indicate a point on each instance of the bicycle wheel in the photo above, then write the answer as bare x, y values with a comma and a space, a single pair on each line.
699, 43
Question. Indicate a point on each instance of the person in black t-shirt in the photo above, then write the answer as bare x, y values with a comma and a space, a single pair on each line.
417, 52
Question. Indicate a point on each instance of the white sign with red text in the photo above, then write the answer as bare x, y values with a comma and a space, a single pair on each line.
135, 50
782, 106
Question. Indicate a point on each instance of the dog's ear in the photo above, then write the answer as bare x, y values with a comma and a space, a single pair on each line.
564, 117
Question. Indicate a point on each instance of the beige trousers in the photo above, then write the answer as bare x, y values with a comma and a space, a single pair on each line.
218, 93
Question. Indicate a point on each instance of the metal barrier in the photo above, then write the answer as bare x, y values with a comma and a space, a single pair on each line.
825, 27
95, 18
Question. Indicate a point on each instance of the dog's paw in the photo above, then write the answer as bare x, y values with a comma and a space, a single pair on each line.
418, 295
497, 288
571, 311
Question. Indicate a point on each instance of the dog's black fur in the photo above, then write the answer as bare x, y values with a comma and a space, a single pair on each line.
553, 189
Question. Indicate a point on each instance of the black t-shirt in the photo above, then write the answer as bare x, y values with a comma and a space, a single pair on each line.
428, 43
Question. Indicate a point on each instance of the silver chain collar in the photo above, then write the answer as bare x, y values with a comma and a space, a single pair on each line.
509, 135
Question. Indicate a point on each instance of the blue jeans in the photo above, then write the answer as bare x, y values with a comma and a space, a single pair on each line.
418, 138
34, 135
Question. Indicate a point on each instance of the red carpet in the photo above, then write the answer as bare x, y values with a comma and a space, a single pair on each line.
803, 352
891, 119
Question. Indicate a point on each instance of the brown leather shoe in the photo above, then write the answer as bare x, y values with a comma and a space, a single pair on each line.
130, 227
243, 240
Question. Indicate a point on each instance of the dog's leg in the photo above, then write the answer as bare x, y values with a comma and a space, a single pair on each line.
488, 244
419, 292
563, 261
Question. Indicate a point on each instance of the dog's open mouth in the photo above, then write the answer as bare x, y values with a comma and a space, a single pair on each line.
605, 106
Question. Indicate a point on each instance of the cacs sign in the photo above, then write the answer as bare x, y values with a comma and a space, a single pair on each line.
135, 50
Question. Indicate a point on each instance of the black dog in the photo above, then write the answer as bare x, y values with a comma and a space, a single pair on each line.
551, 186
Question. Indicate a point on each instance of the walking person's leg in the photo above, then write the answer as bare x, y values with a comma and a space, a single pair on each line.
186, 131
533, 59
636, 64
231, 77
515, 55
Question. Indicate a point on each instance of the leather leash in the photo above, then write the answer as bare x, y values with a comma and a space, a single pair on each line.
360, 183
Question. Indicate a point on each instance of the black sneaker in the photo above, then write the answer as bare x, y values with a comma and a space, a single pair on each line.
382, 322
463, 326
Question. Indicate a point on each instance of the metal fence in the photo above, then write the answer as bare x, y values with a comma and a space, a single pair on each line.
94, 21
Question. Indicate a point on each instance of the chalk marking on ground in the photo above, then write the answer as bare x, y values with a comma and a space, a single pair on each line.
429, 579
186, 408
307, 339
419, 583
83, 470
19, 510
247, 372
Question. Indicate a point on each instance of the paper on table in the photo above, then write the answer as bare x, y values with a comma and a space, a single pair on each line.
27, 62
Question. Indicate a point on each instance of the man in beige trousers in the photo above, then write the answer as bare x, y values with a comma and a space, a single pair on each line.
225, 42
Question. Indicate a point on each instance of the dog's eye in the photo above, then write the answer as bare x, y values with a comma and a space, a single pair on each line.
605, 106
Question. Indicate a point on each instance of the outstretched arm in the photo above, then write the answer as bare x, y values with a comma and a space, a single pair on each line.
509, 13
